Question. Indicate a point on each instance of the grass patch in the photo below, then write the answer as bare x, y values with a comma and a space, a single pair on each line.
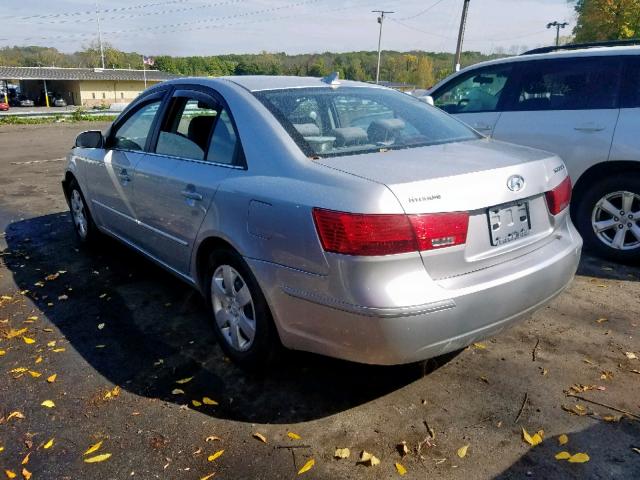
73, 118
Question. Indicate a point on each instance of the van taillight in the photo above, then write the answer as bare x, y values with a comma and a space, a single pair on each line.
387, 234
559, 198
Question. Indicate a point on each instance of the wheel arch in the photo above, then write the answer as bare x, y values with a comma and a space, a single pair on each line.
598, 172
205, 247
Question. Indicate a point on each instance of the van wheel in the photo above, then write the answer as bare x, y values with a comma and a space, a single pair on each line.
242, 320
608, 218
83, 225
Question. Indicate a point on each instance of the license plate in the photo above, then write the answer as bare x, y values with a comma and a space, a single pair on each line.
509, 222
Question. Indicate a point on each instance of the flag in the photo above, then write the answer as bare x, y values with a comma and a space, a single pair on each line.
148, 61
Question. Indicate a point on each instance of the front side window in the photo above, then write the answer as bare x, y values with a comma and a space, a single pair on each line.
477, 91
353, 120
568, 84
133, 133
631, 83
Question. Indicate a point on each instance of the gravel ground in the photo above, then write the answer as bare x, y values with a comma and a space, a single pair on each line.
119, 333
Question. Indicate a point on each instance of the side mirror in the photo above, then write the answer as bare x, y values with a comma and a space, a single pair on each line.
428, 99
90, 139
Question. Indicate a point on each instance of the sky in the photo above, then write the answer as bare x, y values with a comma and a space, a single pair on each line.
210, 27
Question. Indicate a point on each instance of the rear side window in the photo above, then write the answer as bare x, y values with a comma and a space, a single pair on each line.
631, 84
568, 84
133, 133
476, 91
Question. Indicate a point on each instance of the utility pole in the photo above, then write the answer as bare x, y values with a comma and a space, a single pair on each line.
463, 24
558, 27
99, 34
380, 20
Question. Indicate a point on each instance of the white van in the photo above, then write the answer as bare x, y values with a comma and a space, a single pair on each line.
581, 102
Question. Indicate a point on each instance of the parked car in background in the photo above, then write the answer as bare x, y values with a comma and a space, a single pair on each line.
4, 106
581, 102
335, 217
59, 102
24, 101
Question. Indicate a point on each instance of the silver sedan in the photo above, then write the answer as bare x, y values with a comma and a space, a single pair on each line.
329, 216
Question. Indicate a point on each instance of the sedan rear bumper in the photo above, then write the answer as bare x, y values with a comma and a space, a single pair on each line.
480, 304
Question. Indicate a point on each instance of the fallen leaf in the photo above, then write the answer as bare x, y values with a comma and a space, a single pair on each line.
586, 360
182, 381
48, 404
606, 375
113, 393
612, 418
177, 391
400, 468
342, 453
578, 458
52, 343
15, 333
38, 360
480, 346
368, 459
635, 371
637, 450
212, 438
462, 451
307, 466
260, 437
293, 436
63, 297
576, 410
15, 414
10, 474
534, 439
602, 320
52, 378
207, 477
2, 352
97, 458
211, 458
48, 445
34, 374
26, 474
630, 355
93, 447
33, 318
57, 350
18, 370
196, 403
100, 326
209, 401
402, 448
25, 460
562, 455
563, 439
28, 340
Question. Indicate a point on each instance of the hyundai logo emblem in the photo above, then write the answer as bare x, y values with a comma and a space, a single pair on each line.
515, 183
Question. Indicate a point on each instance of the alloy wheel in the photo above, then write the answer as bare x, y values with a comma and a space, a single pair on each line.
78, 214
233, 308
616, 220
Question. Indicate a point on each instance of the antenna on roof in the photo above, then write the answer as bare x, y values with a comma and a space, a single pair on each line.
332, 79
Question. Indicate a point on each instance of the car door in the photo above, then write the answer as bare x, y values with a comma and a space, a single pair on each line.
476, 96
109, 172
567, 106
626, 144
194, 149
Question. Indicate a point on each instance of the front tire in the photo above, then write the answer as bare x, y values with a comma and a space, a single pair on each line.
242, 320
608, 218
83, 224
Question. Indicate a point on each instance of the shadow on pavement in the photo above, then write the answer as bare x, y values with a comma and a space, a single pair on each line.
596, 267
609, 447
143, 329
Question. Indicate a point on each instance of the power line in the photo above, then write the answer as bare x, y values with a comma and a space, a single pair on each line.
422, 12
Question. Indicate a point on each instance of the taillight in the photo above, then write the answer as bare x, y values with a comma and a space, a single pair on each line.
438, 230
386, 234
559, 198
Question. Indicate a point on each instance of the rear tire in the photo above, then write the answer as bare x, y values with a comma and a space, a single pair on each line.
242, 319
83, 224
608, 218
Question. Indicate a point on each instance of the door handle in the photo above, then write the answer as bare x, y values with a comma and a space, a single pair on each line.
589, 128
124, 175
191, 195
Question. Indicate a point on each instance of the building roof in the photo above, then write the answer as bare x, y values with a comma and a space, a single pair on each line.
55, 73
256, 83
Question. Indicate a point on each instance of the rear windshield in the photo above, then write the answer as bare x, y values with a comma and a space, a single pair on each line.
351, 120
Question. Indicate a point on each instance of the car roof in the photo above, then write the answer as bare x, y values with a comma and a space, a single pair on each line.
583, 52
255, 83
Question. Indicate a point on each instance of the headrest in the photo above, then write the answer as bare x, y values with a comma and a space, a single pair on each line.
348, 136
307, 129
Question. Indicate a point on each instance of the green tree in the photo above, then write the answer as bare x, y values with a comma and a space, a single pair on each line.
606, 20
